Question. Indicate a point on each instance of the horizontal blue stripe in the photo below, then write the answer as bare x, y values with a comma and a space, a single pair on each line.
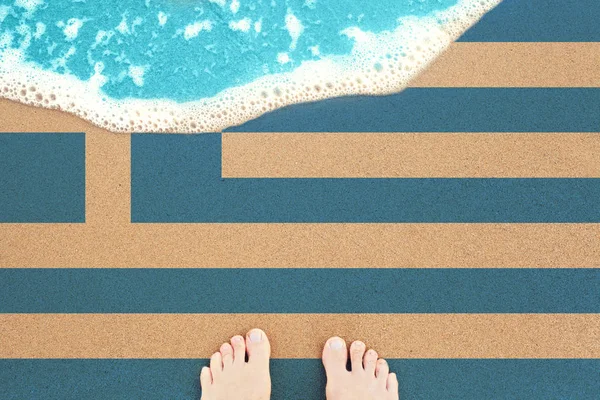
443, 110
299, 290
467, 379
539, 21
42, 177
177, 178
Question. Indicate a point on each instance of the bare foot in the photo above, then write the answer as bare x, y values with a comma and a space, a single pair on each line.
231, 377
369, 379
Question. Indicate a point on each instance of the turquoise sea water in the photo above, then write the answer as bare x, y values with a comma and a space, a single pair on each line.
185, 51
192, 49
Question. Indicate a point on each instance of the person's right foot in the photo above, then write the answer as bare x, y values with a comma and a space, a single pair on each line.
230, 377
369, 379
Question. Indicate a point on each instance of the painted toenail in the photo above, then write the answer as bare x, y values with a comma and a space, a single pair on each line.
255, 336
336, 344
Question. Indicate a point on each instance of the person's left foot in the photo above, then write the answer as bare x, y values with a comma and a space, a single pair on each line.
231, 377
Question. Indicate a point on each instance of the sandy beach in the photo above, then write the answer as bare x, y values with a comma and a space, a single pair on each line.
498, 286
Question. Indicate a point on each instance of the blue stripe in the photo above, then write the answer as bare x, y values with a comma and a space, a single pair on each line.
177, 178
539, 21
42, 177
443, 110
366, 290
467, 379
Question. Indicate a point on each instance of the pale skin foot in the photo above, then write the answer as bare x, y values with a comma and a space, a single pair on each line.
230, 377
369, 379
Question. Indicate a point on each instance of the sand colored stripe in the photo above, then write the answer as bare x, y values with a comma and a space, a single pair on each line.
515, 64
107, 158
411, 155
177, 179
301, 335
300, 246
109, 240
108, 164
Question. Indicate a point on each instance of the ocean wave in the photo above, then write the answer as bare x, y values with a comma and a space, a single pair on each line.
189, 66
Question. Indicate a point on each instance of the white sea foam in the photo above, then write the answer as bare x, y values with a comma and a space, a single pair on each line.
234, 6
71, 28
136, 72
4, 10
283, 58
379, 64
243, 25
102, 37
294, 27
40, 29
310, 3
193, 30
258, 26
122, 27
162, 18
29, 5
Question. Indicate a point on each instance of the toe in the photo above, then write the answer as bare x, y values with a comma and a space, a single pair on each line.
392, 384
239, 350
216, 365
357, 352
369, 362
381, 371
205, 378
335, 356
259, 348
227, 355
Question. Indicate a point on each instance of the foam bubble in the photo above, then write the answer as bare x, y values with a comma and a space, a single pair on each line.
294, 28
162, 18
6, 39
283, 58
71, 29
243, 25
102, 37
29, 5
234, 6
123, 27
137, 21
137, 74
378, 64
193, 30
25, 32
310, 3
4, 10
258, 26
40, 29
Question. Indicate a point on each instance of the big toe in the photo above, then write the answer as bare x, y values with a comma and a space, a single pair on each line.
258, 346
335, 356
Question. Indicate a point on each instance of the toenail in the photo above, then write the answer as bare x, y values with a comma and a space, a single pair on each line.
237, 339
255, 336
336, 344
